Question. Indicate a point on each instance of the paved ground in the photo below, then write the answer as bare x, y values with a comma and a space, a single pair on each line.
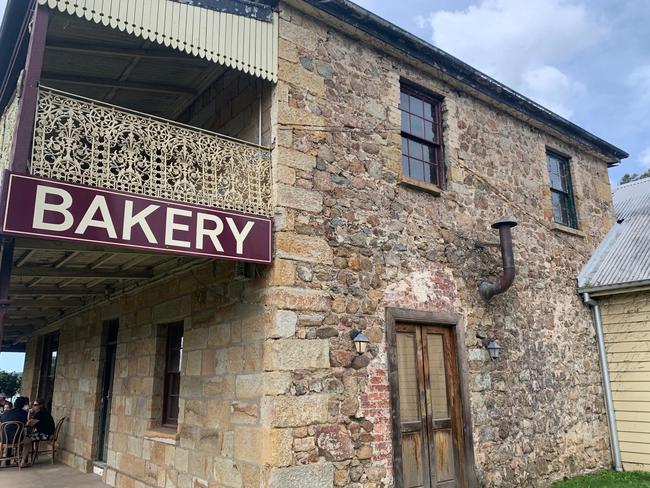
46, 475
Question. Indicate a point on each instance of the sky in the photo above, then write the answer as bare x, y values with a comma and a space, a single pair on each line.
589, 61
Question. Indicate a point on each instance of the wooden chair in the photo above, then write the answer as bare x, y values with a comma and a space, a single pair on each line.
50, 443
12, 436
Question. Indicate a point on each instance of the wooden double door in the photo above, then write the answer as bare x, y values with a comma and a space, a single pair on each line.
429, 412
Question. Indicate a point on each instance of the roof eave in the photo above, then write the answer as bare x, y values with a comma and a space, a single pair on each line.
421, 50
618, 287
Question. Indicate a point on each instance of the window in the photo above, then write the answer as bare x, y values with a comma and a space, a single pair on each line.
421, 136
173, 358
47, 373
559, 173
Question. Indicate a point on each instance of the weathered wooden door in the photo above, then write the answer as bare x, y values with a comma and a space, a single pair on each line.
429, 408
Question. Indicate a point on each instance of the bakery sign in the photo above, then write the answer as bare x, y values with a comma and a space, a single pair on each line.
49, 209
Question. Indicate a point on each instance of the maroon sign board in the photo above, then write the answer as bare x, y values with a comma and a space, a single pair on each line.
49, 209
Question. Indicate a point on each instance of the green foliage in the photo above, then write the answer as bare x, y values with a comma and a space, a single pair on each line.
629, 178
9, 383
608, 479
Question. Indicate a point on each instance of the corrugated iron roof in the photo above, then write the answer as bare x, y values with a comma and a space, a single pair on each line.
623, 257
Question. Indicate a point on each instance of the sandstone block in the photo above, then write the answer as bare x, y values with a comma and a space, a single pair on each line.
319, 476
298, 75
292, 354
227, 473
299, 198
260, 384
296, 159
312, 249
290, 411
282, 273
297, 299
282, 325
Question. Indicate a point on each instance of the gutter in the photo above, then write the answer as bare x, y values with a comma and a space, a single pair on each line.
617, 288
602, 356
360, 18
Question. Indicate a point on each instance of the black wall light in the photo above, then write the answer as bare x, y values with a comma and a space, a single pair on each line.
492, 346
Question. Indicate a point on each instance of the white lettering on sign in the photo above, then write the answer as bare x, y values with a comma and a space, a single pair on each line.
171, 225
89, 220
156, 224
140, 219
240, 237
40, 207
213, 234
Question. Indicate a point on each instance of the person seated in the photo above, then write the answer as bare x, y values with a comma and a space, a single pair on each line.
3, 401
42, 425
8, 406
16, 414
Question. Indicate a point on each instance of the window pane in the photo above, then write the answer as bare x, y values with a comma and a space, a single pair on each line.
428, 111
409, 406
428, 131
430, 175
405, 122
560, 210
427, 153
174, 361
417, 106
554, 173
405, 165
417, 169
565, 175
437, 376
417, 127
404, 101
415, 149
405, 146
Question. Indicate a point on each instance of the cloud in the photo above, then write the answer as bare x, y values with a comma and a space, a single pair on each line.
644, 158
551, 88
639, 81
522, 44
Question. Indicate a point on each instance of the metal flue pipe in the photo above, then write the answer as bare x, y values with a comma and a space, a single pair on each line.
488, 289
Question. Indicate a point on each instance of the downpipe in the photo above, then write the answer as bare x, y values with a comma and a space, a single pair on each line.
602, 356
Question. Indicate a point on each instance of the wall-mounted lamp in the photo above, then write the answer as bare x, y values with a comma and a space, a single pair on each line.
493, 347
360, 341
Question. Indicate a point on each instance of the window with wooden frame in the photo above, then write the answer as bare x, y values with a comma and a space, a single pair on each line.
421, 130
173, 359
562, 199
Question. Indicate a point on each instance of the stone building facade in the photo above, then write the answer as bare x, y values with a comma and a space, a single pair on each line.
272, 391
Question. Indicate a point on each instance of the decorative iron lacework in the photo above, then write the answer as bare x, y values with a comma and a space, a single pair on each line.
99, 145
7, 128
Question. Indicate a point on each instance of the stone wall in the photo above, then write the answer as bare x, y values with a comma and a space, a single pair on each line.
233, 105
273, 393
219, 437
356, 240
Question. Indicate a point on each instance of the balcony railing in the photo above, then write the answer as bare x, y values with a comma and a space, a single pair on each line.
96, 144
7, 129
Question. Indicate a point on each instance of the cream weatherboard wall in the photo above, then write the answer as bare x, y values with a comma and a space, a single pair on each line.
626, 324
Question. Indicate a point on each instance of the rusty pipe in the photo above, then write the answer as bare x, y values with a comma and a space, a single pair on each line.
488, 289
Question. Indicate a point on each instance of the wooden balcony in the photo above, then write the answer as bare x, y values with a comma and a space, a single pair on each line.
83, 141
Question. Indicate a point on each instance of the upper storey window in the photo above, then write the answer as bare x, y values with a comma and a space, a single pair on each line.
421, 136
559, 173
